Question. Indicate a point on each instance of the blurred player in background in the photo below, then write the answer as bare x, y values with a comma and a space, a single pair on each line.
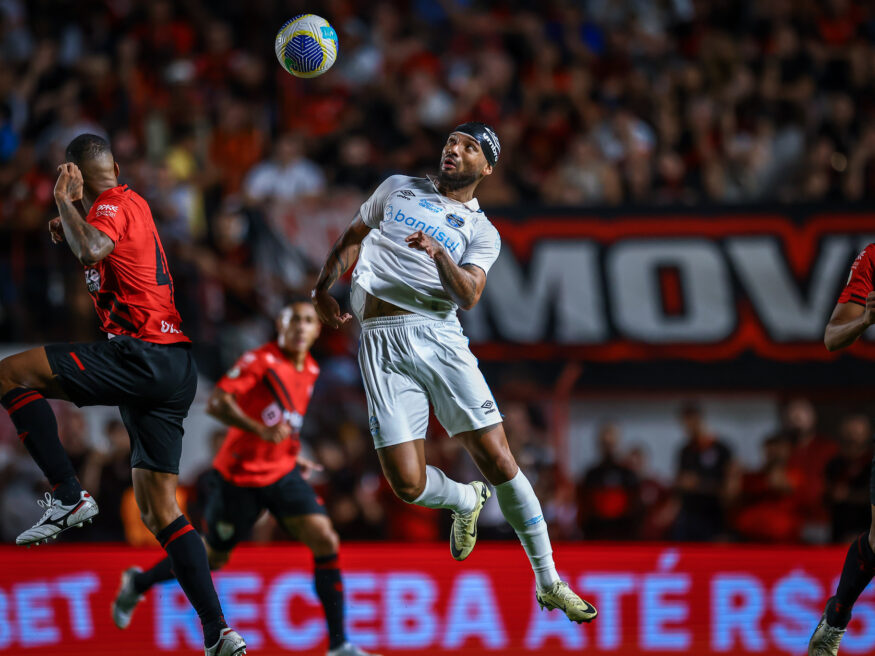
424, 247
853, 314
145, 368
263, 399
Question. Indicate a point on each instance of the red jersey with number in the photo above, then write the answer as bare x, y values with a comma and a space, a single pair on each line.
860, 281
269, 389
131, 287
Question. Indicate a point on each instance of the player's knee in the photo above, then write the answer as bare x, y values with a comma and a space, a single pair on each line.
325, 542
8, 377
408, 491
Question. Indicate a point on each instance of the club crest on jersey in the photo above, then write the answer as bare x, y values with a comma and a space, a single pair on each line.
431, 207
92, 279
455, 220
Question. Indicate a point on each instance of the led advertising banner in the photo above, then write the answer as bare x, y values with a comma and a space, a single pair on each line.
414, 599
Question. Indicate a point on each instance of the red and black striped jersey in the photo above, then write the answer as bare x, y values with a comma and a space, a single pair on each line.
131, 287
269, 389
860, 280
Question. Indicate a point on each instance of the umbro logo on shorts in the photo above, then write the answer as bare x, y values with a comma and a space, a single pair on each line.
488, 406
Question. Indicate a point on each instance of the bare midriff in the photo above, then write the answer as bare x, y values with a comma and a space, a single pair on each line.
375, 307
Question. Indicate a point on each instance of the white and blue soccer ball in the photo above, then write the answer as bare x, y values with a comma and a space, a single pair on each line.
306, 45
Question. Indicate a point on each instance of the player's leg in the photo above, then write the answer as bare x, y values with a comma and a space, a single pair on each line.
156, 496
301, 513
26, 381
230, 513
398, 407
522, 510
857, 572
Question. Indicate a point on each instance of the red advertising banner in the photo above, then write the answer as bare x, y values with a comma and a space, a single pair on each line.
687, 285
658, 600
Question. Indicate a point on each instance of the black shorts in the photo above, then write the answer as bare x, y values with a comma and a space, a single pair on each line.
153, 386
231, 510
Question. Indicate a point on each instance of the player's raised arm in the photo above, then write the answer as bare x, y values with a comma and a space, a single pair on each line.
464, 283
343, 255
848, 322
88, 244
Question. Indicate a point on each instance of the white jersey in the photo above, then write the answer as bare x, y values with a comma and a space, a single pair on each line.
393, 271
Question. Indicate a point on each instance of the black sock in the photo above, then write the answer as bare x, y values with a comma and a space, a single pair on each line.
189, 561
329, 588
856, 574
159, 572
38, 430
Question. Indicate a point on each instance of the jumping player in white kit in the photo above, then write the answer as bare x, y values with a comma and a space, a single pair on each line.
423, 248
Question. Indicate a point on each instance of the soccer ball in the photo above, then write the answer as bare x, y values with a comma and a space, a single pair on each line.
306, 45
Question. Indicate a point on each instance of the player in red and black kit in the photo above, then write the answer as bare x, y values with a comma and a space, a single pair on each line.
263, 399
853, 314
145, 368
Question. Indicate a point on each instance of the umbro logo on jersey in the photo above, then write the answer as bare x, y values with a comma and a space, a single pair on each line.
431, 207
455, 220
405, 193
106, 210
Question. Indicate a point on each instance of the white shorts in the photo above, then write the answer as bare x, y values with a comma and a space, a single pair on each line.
409, 360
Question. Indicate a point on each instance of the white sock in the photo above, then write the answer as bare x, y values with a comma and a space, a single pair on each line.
522, 510
443, 492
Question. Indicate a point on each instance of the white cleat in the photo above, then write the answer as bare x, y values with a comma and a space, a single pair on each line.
126, 599
825, 640
463, 535
58, 517
347, 649
230, 643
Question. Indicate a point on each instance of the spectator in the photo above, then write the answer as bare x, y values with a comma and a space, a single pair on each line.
704, 475
810, 452
658, 507
847, 479
286, 176
770, 507
609, 494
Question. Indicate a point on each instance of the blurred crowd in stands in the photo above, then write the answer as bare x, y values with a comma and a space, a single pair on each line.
809, 488
251, 174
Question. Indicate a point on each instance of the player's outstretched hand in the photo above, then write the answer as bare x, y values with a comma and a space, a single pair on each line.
423, 242
869, 311
56, 230
308, 467
276, 433
328, 309
69, 184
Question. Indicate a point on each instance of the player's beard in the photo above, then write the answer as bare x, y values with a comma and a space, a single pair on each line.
456, 180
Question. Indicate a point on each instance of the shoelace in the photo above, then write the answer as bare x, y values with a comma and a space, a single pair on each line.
461, 522
563, 593
48, 504
832, 636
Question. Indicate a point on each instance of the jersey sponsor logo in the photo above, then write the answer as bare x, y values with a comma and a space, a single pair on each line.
431, 207
455, 220
405, 193
92, 279
167, 327
433, 231
274, 414
104, 209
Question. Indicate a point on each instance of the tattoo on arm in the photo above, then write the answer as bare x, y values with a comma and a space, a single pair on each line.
343, 254
460, 282
88, 244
